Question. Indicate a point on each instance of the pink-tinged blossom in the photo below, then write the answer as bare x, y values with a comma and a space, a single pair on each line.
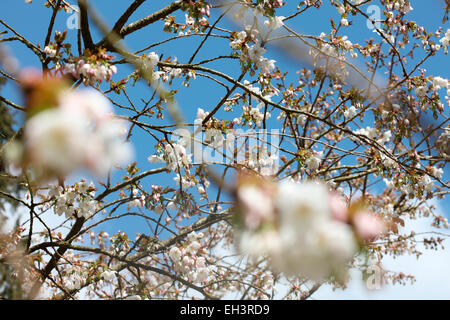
446, 39
50, 51
313, 162
87, 103
78, 132
257, 203
301, 236
368, 226
90, 73
72, 201
338, 207
175, 254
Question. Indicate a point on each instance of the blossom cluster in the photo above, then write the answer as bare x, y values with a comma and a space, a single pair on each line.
253, 115
90, 72
304, 229
150, 61
253, 54
332, 54
75, 277
77, 130
188, 261
176, 155
74, 201
196, 19
165, 73
443, 142
372, 133
138, 200
400, 5
446, 39
420, 183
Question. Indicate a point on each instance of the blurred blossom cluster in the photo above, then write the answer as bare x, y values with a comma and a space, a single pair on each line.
66, 130
303, 228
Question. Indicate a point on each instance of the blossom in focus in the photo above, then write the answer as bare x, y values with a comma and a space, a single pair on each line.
421, 91
446, 39
439, 83
74, 201
201, 115
350, 112
152, 59
188, 260
274, 22
176, 155
51, 52
313, 162
255, 53
91, 68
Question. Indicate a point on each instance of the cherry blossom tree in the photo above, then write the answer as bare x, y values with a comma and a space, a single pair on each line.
278, 180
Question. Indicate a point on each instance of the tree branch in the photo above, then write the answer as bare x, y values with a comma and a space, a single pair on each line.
84, 24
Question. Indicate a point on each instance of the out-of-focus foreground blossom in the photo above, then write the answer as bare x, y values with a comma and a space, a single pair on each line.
304, 229
66, 130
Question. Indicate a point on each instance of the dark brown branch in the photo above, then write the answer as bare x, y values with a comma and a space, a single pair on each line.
118, 26
126, 15
76, 229
55, 258
174, 6
130, 28
84, 24
52, 22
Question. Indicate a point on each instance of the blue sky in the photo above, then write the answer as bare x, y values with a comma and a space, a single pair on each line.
31, 21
